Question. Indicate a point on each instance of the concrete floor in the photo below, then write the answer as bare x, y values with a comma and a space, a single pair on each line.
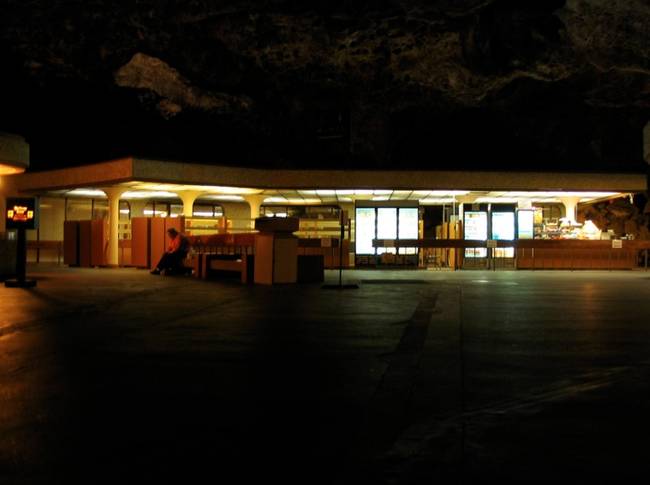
116, 376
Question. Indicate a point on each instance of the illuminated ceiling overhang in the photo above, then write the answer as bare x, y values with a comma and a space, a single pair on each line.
142, 178
145, 190
14, 154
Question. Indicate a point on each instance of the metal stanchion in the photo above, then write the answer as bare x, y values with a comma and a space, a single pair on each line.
341, 286
21, 214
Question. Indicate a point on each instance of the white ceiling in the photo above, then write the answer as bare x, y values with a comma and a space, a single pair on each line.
146, 190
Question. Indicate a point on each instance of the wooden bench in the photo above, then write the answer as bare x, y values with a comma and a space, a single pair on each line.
222, 254
228, 263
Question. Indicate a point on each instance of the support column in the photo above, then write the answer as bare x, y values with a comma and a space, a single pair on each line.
646, 143
571, 207
188, 197
113, 194
254, 202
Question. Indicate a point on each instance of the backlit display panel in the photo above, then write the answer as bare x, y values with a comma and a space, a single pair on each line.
364, 230
21, 213
525, 224
476, 229
386, 226
503, 226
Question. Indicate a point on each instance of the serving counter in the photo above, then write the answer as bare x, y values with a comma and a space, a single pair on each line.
549, 253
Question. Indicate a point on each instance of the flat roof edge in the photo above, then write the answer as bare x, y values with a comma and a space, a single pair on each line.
95, 174
148, 170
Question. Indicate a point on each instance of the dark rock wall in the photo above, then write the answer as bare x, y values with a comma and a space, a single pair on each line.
621, 215
469, 83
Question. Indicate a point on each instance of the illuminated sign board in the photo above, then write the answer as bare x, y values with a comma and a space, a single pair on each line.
525, 224
21, 213
503, 226
476, 225
476, 229
365, 230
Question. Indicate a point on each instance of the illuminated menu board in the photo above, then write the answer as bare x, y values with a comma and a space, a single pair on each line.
408, 227
476, 225
476, 229
525, 224
386, 226
21, 213
503, 226
364, 230
408, 223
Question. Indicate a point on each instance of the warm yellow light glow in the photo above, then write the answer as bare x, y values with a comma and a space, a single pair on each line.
290, 200
437, 200
145, 194
496, 200
447, 193
20, 213
10, 169
226, 198
86, 193
212, 189
149, 212
315, 196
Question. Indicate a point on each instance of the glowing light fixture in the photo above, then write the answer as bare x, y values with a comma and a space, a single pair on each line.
227, 190
226, 198
231, 190
6, 169
149, 212
437, 200
145, 194
448, 193
86, 193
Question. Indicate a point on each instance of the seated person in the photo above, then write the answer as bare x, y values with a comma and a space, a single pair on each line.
172, 261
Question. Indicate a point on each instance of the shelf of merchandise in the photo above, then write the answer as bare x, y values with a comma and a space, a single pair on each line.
320, 228
124, 230
199, 226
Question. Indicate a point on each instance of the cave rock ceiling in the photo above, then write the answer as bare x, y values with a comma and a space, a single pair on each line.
437, 84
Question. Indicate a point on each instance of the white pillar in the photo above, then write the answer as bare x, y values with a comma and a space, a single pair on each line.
3, 195
254, 202
113, 194
570, 207
188, 197
646, 143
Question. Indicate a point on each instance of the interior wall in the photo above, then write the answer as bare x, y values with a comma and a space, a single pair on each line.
238, 212
52, 216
